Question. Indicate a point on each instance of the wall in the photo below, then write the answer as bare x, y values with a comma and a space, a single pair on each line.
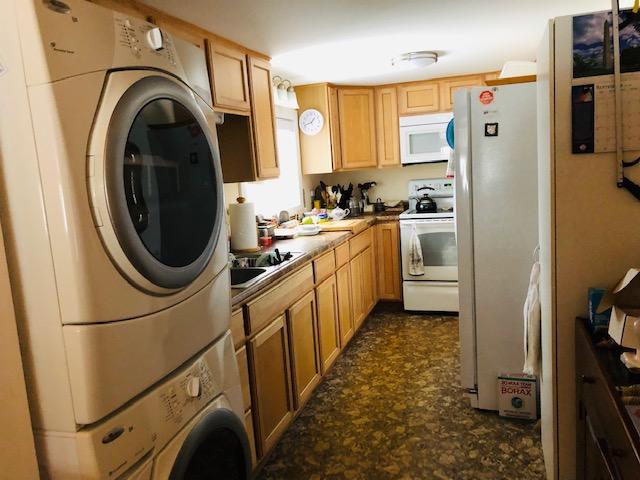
391, 182
597, 231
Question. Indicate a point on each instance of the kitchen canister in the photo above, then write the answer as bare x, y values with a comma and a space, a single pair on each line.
242, 222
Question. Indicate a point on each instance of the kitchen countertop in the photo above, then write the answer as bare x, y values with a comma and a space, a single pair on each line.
311, 247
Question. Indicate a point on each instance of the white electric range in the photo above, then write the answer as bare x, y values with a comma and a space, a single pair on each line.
437, 288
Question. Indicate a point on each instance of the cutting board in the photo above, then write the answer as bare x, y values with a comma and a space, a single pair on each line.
354, 225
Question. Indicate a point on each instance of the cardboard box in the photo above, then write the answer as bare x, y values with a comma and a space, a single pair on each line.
624, 301
517, 396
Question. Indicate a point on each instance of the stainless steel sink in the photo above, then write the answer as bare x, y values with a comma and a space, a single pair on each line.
240, 276
247, 269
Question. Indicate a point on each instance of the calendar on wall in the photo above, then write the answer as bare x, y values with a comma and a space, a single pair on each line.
593, 90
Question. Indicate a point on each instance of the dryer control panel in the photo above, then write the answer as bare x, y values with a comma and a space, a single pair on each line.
84, 37
144, 41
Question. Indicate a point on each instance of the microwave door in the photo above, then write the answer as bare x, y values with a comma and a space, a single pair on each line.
424, 143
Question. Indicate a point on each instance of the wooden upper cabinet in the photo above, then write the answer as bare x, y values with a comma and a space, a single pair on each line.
263, 115
320, 153
356, 110
387, 127
448, 87
228, 76
418, 98
328, 329
334, 124
304, 348
388, 260
269, 355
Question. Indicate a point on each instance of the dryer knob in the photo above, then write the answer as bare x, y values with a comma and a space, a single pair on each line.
154, 39
193, 387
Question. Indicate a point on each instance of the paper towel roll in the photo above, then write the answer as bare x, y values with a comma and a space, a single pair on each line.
242, 222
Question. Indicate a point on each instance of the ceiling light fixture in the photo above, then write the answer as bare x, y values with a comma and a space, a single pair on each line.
422, 58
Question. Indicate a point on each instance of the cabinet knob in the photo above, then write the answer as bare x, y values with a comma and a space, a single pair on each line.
587, 379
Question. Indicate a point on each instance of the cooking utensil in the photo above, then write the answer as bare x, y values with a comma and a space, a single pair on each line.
426, 204
379, 205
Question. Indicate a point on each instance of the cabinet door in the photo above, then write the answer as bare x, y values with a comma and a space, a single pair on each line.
228, 75
387, 127
357, 298
418, 98
448, 87
388, 261
334, 123
345, 315
328, 329
263, 115
357, 128
368, 280
270, 360
305, 364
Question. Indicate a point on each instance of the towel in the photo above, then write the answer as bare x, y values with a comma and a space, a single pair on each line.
451, 164
532, 347
416, 264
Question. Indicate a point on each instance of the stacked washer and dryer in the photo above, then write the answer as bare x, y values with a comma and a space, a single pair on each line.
114, 211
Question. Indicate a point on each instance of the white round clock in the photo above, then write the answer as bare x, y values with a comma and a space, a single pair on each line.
311, 122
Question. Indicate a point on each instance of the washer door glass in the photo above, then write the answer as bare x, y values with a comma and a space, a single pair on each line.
169, 183
164, 183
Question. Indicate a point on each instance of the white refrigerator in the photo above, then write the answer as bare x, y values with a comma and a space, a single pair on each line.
497, 230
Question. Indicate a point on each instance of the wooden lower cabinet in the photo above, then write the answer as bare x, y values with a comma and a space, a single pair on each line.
357, 296
243, 369
303, 341
387, 240
328, 329
369, 292
273, 403
248, 425
345, 315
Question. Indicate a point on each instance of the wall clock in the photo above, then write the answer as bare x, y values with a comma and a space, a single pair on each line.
311, 122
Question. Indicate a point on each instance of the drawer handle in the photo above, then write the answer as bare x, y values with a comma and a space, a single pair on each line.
587, 379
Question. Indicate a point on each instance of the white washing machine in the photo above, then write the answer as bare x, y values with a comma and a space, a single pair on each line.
114, 208
187, 427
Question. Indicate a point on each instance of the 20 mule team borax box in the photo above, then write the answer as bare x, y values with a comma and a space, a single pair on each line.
517, 396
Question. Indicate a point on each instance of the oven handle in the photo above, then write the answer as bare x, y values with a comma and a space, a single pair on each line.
408, 223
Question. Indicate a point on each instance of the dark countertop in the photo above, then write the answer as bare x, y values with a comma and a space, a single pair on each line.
311, 246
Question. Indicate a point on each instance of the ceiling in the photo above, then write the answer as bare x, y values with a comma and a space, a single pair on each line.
352, 41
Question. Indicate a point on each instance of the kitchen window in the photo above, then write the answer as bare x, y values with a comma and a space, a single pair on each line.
285, 192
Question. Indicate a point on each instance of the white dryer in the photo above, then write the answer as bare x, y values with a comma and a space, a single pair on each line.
187, 427
116, 218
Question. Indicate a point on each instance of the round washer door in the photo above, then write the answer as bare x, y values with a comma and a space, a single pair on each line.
162, 182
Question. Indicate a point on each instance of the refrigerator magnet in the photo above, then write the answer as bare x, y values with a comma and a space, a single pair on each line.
490, 129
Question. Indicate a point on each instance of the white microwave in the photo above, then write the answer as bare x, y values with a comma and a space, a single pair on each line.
423, 138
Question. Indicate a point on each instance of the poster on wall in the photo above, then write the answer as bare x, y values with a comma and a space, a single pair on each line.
593, 91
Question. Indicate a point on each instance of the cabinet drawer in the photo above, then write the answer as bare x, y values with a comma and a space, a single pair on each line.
273, 302
243, 368
323, 266
237, 328
342, 254
361, 241
602, 414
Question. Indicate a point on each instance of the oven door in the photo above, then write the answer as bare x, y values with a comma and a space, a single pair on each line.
424, 143
438, 241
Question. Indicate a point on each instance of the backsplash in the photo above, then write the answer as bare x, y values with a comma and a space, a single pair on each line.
391, 182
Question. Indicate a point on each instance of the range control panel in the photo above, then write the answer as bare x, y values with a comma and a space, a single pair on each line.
442, 187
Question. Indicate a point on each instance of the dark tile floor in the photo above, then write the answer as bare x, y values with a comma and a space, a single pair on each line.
392, 408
